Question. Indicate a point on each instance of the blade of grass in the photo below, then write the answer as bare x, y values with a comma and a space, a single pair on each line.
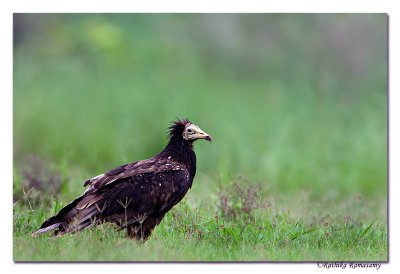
357, 239
301, 233
297, 234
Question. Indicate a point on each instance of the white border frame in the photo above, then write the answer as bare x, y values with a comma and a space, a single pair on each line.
7, 8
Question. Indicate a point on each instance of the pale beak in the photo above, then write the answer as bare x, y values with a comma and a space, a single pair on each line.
202, 135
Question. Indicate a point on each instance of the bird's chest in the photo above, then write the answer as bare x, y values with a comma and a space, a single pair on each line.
164, 188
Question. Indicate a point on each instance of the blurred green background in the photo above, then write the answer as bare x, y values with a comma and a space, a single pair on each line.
296, 102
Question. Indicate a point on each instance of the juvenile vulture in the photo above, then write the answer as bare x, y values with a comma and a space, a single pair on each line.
135, 196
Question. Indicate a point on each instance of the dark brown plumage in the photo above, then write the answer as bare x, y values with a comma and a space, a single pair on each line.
135, 196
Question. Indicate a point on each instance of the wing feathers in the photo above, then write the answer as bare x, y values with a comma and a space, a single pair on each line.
90, 200
117, 170
92, 179
152, 165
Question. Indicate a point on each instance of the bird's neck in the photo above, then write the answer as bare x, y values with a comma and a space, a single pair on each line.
182, 151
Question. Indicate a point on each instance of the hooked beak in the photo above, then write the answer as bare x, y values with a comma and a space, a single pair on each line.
202, 135
208, 138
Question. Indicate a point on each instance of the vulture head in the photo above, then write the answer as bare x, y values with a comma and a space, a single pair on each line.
186, 130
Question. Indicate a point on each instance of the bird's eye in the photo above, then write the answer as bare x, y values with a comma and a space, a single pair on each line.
189, 130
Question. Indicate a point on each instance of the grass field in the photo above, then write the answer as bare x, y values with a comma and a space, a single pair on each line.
297, 169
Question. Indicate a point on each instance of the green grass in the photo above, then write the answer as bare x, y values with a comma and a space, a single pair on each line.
196, 234
293, 115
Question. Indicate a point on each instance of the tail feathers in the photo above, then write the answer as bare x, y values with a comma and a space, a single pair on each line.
58, 221
62, 227
70, 220
45, 229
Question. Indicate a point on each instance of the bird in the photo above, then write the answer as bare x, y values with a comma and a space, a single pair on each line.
134, 196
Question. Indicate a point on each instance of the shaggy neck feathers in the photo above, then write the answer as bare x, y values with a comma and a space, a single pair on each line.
179, 149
